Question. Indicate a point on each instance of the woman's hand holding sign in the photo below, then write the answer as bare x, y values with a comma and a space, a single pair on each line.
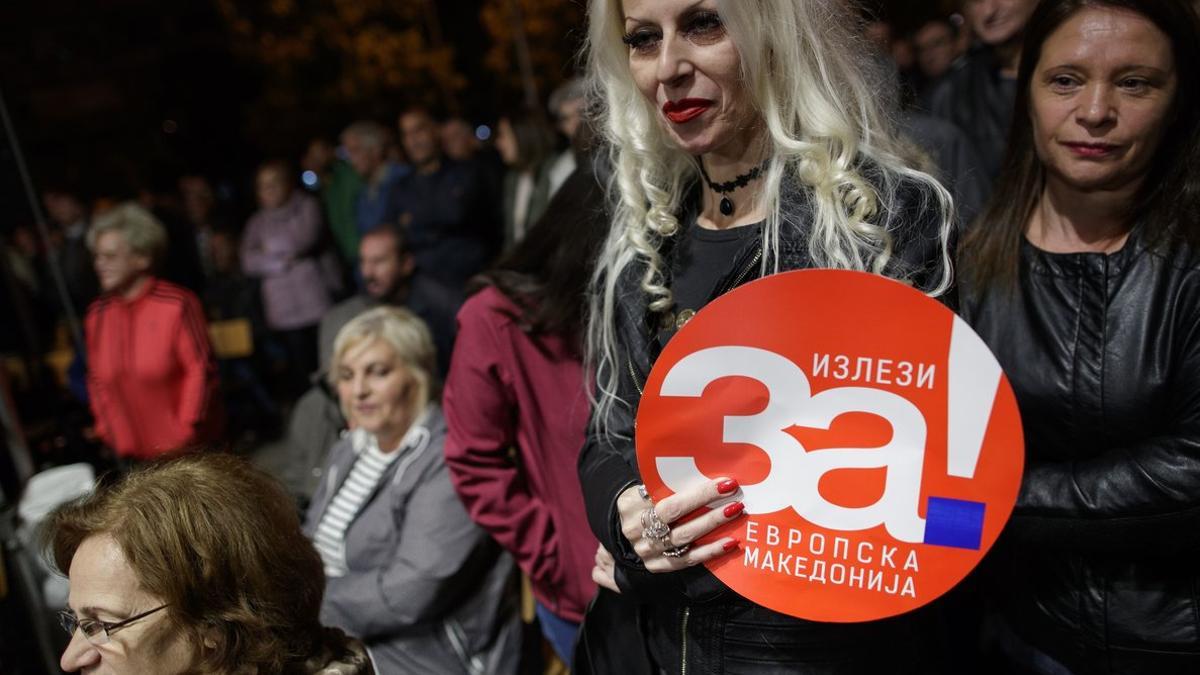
663, 548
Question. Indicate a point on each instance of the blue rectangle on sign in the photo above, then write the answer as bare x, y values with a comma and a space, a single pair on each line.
954, 522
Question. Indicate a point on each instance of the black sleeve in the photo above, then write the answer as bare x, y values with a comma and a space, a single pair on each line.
1143, 498
607, 467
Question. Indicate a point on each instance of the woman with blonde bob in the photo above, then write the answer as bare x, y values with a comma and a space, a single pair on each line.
406, 569
194, 565
747, 138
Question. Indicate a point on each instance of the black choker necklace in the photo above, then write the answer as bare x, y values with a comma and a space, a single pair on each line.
729, 186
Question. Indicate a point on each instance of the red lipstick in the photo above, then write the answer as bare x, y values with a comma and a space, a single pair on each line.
685, 110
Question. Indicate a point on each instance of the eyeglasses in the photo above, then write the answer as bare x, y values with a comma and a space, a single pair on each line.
97, 632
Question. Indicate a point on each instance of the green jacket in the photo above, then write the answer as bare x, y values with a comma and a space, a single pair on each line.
339, 195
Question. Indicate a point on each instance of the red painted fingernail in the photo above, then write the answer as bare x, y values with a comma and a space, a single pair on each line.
727, 486
734, 509
730, 545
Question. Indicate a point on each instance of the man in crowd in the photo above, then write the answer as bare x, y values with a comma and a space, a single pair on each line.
953, 156
390, 277
201, 210
458, 140
339, 187
936, 44
566, 106
977, 94
66, 210
367, 145
157, 192
446, 211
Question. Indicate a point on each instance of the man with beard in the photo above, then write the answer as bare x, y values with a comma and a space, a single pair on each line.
390, 277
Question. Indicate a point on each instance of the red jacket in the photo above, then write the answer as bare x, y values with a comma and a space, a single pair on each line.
507, 390
152, 379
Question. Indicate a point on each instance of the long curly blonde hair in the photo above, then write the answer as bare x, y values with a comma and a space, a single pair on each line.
826, 102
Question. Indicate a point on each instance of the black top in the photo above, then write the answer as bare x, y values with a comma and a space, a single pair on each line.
451, 228
701, 259
979, 100
1100, 563
690, 620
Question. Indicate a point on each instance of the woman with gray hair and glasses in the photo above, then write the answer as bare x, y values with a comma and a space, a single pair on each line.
152, 379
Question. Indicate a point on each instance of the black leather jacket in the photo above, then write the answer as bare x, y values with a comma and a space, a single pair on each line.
1100, 565
690, 621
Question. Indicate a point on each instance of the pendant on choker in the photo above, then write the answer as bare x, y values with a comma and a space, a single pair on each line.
726, 204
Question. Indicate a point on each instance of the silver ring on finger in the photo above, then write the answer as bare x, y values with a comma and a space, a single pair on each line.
653, 526
676, 551
665, 541
643, 492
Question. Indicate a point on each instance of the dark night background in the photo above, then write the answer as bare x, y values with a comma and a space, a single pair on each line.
108, 95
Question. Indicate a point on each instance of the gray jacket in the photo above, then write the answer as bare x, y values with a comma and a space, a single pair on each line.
427, 590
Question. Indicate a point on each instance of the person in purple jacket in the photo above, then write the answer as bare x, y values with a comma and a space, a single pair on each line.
280, 247
517, 382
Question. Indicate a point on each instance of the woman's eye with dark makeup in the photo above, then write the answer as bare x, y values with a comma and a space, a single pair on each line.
704, 26
642, 40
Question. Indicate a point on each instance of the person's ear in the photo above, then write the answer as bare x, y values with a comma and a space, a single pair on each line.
210, 638
142, 263
407, 265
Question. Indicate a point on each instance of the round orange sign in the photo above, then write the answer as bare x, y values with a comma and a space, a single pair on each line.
877, 443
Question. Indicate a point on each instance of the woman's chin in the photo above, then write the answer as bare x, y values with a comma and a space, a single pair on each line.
369, 426
705, 139
114, 285
695, 146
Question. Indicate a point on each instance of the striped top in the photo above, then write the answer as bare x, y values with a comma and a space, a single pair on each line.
360, 484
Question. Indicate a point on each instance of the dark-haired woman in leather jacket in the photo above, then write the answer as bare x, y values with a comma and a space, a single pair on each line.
1084, 279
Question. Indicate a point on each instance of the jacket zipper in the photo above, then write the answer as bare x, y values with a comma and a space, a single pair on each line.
737, 281
687, 611
458, 644
633, 373
683, 641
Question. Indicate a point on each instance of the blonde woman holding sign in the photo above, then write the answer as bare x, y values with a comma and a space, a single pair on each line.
747, 138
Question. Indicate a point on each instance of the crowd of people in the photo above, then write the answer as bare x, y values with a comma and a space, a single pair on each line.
458, 340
